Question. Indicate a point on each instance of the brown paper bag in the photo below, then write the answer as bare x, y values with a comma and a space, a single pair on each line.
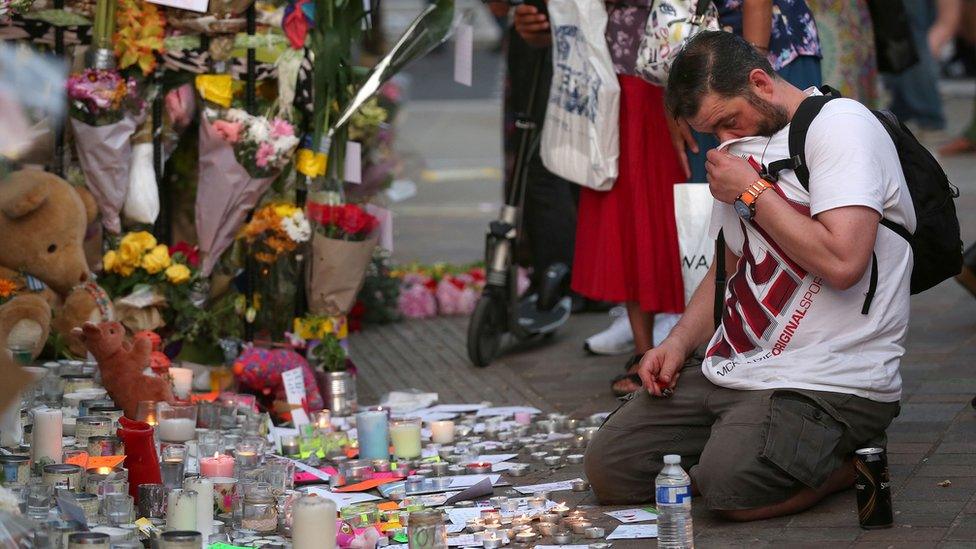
336, 272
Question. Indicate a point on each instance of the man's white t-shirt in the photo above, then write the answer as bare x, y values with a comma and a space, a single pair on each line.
783, 327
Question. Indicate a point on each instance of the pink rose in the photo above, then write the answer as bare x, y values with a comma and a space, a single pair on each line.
417, 302
228, 131
265, 152
281, 128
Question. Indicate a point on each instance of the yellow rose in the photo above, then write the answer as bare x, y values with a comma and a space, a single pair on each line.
156, 260
178, 273
129, 255
143, 240
125, 269
110, 262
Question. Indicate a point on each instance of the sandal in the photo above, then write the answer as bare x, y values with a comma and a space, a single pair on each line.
629, 375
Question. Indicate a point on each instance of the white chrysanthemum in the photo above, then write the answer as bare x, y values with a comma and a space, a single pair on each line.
284, 145
297, 227
236, 115
259, 130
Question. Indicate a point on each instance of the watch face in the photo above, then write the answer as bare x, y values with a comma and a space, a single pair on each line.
742, 209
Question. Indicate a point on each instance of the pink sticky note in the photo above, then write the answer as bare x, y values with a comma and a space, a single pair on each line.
354, 162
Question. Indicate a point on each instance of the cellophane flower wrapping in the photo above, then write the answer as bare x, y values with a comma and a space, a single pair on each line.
105, 111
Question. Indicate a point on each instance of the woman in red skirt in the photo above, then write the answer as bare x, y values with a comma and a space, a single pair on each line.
626, 238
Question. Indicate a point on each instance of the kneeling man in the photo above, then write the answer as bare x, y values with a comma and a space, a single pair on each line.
796, 376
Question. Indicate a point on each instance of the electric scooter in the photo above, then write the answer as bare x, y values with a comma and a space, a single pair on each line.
500, 310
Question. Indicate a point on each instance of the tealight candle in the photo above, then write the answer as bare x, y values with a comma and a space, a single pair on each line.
537, 503
580, 526
562, 538
594, 532
479, 467
525, 537
323, 421
219, 465
442, 432
182, 381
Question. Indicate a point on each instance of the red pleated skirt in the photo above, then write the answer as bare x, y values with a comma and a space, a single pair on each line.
626, 239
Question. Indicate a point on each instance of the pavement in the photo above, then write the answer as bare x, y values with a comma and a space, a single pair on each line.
453, 142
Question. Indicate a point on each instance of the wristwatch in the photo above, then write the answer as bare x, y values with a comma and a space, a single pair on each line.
745, 204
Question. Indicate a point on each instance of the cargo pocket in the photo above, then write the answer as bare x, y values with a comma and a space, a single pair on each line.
801, 438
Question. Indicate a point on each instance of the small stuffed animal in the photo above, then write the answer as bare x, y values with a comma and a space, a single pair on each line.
121, 365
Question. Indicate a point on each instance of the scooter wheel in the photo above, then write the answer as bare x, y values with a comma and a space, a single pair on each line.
485, 330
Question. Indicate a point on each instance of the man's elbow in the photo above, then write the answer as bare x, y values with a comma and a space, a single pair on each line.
844, 277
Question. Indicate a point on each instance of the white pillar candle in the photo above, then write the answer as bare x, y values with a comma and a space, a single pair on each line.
181, 510
204, 488
177, 429
182, 381
313, 523
46, 436
442, 432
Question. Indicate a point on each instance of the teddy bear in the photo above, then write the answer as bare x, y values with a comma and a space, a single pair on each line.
122, 364
43, 220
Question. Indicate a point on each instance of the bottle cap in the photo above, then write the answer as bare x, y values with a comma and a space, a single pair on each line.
672, 459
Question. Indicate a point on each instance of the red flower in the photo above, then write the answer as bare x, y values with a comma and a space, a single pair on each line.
356, 221
191, 253
458, 283
153, 338
325, 214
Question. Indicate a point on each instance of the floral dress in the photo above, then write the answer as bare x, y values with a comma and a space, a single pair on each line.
794, 31
625, 27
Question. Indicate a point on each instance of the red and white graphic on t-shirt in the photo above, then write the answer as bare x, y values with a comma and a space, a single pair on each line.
757, 317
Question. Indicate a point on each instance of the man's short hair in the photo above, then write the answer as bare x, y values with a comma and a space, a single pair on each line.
712, 61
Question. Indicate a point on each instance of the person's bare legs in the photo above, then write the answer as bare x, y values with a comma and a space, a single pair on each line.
840, 479
642, 324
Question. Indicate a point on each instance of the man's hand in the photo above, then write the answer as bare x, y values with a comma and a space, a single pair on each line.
661, 366
728, 175
683, 141
532, 26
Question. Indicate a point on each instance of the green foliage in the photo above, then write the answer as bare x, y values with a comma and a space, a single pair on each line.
380, 291
329, 354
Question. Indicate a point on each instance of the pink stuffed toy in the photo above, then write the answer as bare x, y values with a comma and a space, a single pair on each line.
260, 369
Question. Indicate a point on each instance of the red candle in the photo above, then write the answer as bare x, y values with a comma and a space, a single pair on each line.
219, 465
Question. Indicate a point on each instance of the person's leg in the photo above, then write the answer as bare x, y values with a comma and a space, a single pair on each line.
549, 219
628, 451
642, 324
915, 92
772, 453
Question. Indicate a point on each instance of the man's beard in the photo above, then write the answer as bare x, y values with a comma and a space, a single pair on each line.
773, 117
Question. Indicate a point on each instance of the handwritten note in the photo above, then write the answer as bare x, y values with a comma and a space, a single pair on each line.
628, 516
634, 531
547, 487
295, 394
192, 5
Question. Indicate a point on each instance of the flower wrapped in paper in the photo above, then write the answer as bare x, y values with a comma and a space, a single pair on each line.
342, 247
240, 155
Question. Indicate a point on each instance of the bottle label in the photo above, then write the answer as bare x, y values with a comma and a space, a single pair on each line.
672, 495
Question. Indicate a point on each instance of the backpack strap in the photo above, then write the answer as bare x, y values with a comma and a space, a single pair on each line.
799, 125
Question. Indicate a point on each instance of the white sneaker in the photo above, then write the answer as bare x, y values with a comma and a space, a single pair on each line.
618, 339
663, 324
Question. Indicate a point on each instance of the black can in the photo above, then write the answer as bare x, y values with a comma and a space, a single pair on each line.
873, 488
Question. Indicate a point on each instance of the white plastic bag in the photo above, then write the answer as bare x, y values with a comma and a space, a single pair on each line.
142, 200
692, 212
580, 140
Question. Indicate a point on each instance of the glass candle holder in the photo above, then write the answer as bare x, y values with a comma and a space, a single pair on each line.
180, 539
182, 382
38, 498
117, 509
280, 476
95, 476
405, 434
88, 540
177, 421
289, 445
323, 421
208, 415
248, 454
427, 530
152, 501
146, 411
259, 512
361, 515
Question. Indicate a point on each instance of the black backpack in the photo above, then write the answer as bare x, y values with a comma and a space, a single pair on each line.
936, 245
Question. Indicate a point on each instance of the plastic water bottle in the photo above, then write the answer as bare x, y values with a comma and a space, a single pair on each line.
673, 495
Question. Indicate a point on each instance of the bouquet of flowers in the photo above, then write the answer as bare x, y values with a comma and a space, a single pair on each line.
106, 109
144, 278
240, 155
275, 230
264, 147
427, 291
342, 247
141, 28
